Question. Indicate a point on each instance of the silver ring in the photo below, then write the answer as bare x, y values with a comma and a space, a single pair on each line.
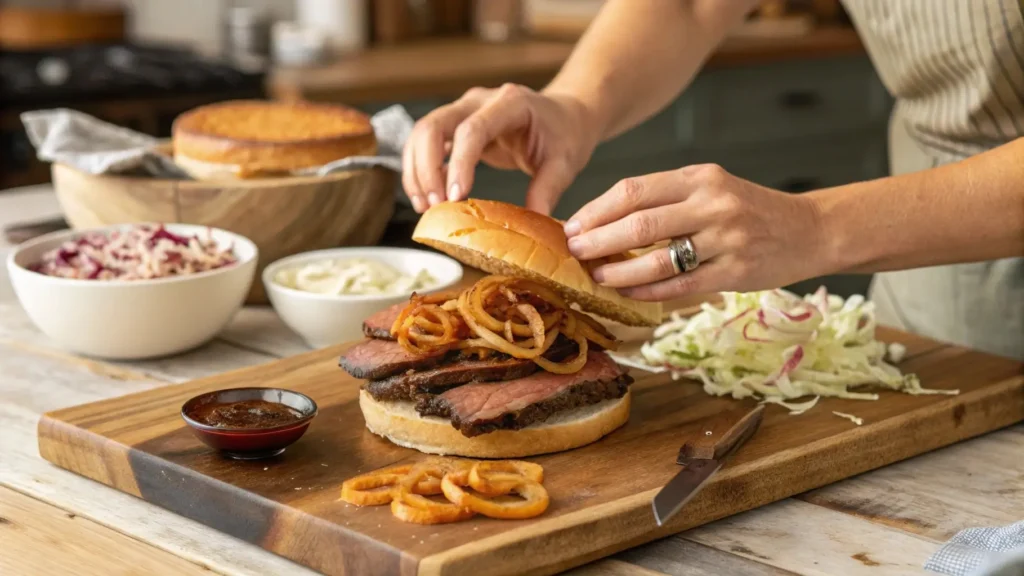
683, 255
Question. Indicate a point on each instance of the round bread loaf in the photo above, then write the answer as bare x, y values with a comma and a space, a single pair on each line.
254, 138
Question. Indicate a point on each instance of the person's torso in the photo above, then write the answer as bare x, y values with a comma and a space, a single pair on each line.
956, 69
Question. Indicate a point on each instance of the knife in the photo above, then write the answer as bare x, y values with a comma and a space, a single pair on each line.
717, 438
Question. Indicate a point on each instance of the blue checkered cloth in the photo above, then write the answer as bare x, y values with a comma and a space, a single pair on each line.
982, 552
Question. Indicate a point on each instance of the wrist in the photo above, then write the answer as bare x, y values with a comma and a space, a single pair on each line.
835, 246
586, 108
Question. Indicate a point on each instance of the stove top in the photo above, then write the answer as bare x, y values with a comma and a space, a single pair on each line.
79, 74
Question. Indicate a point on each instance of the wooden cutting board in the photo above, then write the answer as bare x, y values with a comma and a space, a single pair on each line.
601, 494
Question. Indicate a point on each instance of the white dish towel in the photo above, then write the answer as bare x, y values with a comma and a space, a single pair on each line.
97, 147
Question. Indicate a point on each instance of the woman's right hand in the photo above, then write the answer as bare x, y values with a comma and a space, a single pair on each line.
548, 136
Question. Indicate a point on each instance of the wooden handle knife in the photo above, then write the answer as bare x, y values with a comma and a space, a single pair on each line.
716, 439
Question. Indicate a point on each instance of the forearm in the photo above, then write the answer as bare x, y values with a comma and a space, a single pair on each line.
638, 55
965, 212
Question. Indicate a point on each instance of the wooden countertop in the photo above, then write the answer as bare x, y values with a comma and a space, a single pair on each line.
447, 68
882, 523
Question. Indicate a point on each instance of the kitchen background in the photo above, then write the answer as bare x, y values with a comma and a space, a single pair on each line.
790, 101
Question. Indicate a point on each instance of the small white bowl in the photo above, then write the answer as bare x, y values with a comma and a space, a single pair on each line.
326, 319
132, 319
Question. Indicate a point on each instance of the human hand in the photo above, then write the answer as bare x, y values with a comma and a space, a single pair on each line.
747, 237
548, 136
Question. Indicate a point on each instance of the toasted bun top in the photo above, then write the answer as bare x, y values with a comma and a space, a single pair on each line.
260, 137
506, 239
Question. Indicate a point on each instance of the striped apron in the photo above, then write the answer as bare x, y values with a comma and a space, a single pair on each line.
956, 70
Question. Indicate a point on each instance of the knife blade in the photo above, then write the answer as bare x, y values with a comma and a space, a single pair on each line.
716, 439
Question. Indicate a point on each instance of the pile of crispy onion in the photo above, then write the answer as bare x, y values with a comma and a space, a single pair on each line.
407, 489
501, 314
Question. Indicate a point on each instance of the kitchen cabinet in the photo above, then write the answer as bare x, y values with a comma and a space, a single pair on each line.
792, 125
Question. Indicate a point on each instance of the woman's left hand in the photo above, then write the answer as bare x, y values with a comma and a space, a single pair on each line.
747, 237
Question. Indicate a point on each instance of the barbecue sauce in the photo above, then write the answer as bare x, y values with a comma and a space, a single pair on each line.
251, 414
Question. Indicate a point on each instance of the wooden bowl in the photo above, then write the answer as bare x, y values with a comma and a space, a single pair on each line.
282, 216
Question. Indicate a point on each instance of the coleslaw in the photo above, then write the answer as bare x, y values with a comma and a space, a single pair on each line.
777, 347
141, 252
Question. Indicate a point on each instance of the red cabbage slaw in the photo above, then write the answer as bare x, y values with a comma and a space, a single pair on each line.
142, 252
775, 346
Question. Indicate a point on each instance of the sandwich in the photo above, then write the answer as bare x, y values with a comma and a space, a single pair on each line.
512, 366
254, 139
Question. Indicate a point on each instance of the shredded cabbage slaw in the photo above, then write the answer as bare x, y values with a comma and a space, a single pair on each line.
141, 252
775, 346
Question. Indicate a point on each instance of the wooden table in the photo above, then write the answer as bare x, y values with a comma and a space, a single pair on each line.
447, 68
886, 522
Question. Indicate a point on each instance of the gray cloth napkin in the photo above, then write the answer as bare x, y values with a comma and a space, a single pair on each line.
97, 147
995, 551
94, 146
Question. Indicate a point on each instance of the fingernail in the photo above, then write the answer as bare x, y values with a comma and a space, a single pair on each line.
575, 246
434, 199
454, 192
598, 275
572, 228
417, 204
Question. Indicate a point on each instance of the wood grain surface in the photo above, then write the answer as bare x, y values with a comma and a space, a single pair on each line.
28, 524
282, 216
601, 493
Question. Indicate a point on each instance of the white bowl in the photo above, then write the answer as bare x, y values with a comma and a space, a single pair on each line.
325, 319
132, 319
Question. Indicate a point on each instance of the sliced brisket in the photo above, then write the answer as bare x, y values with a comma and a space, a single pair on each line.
379, 324
411, 384
480, 408
373, 359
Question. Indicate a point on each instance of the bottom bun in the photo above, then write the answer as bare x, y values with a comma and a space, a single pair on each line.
399, 422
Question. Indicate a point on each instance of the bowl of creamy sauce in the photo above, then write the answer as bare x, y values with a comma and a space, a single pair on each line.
354, 276
324, 296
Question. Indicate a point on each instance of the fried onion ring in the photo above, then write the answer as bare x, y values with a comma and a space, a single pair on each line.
365, 490
536, 323
512, 316
534, 501
499, 477
595, 332
405, 487
493, 340
407, 513
405, 491
570, 367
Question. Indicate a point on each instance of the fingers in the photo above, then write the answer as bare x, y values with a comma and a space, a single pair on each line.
653, 266
626, 197
429, 144
505, 112
548, 185
409, 181
430, 159
638, 230
706, 279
